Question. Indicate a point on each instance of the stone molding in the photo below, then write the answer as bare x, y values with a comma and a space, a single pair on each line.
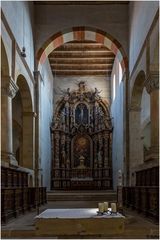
134, 109
152, 81
10, 88
30, 114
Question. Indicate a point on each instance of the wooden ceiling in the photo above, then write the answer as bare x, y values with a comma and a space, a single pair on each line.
81, 58
84, 2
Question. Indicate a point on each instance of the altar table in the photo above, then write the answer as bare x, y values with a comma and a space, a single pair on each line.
78, 221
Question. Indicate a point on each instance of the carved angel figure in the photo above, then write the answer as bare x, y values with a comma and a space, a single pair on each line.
96, 93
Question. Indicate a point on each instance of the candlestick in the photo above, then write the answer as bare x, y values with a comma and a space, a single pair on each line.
105, 206
101, 207
113, 207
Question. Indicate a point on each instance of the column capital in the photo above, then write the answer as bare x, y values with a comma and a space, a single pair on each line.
37, 76
30, 114
152, 81
134, 109
9, 87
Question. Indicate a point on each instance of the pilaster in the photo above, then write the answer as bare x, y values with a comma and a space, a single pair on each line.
8, 90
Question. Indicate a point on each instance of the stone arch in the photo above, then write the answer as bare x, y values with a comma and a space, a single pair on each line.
137, 90
4, 61
78, 34
136, 148
25, 93
8, 91
28, 124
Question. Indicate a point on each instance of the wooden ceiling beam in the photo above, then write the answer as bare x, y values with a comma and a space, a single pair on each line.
82, 72
82, 47
81, 66
81, 60
81, 54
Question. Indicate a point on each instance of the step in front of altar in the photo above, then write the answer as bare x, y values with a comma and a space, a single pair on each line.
82, 196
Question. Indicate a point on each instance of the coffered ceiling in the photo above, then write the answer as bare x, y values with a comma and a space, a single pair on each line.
81, 58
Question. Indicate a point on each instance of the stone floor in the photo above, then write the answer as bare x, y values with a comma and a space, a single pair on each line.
136, 226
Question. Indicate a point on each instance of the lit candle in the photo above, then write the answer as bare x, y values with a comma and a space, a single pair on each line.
113, 207
101, 207
105, 206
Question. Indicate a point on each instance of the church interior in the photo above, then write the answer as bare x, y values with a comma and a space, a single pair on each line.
80, 119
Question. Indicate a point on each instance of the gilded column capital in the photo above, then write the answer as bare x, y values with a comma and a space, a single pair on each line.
152, 81
9, 87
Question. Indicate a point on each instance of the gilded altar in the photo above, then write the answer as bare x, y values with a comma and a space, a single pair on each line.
81, 134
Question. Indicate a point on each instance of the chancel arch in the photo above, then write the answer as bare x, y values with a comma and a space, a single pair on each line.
82, 33
81, 139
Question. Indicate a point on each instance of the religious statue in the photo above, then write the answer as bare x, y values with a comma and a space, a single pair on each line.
96, 93
99, 159
67, 163
63, 157
81, 162
81, 87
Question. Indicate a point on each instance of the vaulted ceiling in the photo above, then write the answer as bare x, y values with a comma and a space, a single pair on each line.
82, 58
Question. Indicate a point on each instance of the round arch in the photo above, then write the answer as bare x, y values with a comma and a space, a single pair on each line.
25, 94
137, 132
79, 34
137, 90
4, 61
28, 123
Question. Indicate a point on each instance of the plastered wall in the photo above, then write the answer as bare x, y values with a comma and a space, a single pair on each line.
51, 19
117, 121
61, 83
46, 113
19, 16
141, 15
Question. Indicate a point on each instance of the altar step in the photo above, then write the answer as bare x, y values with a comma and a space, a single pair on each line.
82, 195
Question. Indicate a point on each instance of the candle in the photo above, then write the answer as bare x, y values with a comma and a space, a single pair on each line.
113, 207
101, 207
105, 206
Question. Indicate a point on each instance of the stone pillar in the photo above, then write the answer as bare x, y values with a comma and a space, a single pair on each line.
9, 89
28, 160
152, 87
136, 144
38, 170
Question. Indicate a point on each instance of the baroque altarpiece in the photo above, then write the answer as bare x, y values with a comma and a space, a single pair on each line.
81, 141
